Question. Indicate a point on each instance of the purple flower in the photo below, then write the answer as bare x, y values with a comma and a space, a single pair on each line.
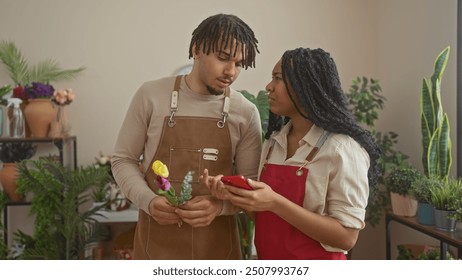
163, 183
38, 90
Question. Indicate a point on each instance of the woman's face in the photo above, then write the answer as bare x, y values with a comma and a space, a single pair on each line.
278, 97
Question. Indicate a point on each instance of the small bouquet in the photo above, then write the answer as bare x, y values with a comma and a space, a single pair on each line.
63, 96
165, 188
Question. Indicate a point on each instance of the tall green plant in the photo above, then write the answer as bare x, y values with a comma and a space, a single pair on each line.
436, 143
366, 101
62, 229
22, 73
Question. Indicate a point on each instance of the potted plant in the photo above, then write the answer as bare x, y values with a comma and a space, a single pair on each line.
445, 198
399, 183
436, 143
19, 70
366, 100
22, 74
62, 227
421, 191
10, 154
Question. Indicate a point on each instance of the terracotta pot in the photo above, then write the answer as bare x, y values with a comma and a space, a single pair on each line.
8, 176
39, 114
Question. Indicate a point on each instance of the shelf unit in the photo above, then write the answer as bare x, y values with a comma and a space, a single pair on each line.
446, 238
62, 144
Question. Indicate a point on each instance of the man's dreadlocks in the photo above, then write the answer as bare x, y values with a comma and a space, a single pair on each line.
313, 76
218, 32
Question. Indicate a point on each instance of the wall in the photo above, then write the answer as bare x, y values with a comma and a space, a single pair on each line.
124, 43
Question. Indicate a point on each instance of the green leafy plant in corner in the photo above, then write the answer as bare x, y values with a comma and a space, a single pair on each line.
22, 73
62, 229
366, 101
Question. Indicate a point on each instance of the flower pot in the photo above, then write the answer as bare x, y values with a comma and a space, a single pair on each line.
403, 205
39, 114
425, 214
443, 222
8, 176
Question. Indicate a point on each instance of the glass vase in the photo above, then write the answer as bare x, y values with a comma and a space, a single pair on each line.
60, 126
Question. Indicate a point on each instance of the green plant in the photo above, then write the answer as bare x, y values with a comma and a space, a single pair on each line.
245, 224
62, 228
261, 102
22, 73
421, 188
3, 246
4, 90
401, 179
436, 142
446, 196
365, 99
16, 151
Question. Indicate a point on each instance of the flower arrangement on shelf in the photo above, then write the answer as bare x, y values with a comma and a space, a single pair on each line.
165, 188
62, 97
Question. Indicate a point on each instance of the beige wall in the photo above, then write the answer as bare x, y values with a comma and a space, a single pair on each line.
124, 43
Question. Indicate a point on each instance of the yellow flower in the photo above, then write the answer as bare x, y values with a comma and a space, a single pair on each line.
160, 169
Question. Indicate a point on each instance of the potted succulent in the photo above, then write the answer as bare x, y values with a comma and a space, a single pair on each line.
62, 228
10, 154
399, 183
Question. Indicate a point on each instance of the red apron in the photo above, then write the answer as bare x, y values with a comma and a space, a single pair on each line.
274, 237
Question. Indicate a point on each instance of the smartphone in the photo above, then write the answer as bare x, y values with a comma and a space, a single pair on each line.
236, 181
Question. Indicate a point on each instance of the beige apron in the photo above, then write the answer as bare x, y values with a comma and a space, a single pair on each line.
190, 143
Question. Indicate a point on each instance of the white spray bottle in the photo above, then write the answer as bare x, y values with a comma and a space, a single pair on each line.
16, 124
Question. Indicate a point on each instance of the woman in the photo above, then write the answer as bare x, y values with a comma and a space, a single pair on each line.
316, 169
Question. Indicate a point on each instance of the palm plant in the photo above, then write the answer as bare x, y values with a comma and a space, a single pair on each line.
22, 73
62, 229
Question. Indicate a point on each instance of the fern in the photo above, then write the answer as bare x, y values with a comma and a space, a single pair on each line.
61, 230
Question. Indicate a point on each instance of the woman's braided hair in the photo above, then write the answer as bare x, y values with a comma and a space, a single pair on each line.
313, 76
218, 32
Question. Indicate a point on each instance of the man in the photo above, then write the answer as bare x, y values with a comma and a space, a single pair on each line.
191, 123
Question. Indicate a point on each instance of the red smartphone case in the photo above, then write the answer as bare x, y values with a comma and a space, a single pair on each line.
236, 181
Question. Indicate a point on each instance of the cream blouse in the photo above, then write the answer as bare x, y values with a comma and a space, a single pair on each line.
337, 183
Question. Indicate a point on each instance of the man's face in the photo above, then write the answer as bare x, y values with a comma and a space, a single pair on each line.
218, 70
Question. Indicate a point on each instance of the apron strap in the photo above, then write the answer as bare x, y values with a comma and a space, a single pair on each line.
174, 104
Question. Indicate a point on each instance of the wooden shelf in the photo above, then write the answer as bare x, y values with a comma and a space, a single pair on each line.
446, 238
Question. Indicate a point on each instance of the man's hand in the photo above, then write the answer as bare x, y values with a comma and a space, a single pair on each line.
200, 211
163, 212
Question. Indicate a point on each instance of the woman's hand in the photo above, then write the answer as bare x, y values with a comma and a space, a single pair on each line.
262, 198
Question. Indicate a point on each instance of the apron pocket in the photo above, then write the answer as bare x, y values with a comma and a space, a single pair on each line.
183, 160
